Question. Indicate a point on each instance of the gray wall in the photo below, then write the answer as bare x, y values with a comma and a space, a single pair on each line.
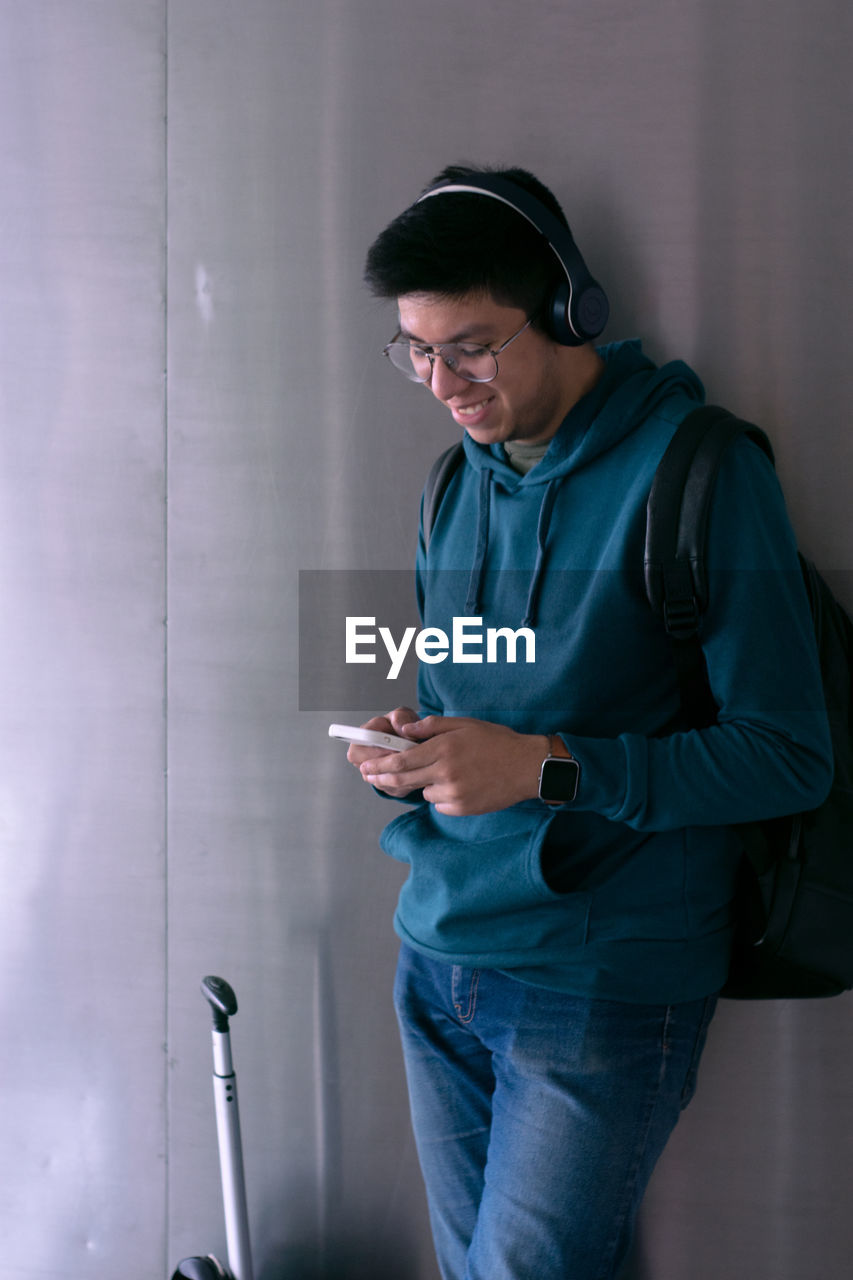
191, 412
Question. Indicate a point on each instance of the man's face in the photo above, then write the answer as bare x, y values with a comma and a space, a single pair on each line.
526, 401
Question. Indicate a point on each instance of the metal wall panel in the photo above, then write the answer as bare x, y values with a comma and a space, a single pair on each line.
82, 956
274, 872
701, 150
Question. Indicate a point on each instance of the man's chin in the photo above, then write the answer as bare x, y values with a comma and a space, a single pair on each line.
485, 434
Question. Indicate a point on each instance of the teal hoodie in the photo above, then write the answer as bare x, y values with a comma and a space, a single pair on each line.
627, 893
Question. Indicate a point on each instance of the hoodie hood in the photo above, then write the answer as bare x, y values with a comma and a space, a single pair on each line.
629, 389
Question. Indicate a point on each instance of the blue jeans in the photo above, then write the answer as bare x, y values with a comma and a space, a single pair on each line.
538, 1116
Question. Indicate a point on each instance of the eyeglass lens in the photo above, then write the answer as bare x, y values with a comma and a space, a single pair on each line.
474, 364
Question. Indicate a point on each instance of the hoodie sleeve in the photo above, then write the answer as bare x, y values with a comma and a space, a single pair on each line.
770, 752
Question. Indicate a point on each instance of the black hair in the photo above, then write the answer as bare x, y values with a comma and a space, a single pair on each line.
467, 243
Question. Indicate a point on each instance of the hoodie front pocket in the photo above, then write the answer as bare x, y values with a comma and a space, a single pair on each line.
476, 885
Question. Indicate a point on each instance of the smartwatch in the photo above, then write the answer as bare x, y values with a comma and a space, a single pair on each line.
559, 775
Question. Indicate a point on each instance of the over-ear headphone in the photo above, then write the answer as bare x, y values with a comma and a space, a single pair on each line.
577, 310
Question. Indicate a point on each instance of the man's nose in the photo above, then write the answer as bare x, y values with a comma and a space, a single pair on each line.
444, 383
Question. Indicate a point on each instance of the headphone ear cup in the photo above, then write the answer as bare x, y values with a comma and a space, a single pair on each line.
574, 320
558, 317
591, 311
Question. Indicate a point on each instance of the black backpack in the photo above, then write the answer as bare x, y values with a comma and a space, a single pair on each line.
794, 905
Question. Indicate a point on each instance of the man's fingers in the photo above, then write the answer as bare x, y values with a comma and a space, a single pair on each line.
410, 769
400, 717
431, 726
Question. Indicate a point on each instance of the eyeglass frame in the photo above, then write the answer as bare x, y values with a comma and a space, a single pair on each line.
434, 351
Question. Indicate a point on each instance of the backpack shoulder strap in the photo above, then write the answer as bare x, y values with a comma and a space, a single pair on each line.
676, 529
441, 473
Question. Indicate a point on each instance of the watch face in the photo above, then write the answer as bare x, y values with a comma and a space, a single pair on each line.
558, 781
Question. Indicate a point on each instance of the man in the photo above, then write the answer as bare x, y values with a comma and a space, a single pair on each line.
566, 922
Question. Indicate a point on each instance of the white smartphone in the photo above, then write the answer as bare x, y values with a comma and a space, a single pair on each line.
369, 737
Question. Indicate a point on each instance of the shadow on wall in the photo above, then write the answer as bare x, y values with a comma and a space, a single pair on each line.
638, 1265
351, 1254
308, 1229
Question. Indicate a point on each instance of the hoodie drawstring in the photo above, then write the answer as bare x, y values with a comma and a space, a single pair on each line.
475, 581
542, 528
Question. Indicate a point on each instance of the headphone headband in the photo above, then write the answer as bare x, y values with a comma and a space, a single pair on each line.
579, 308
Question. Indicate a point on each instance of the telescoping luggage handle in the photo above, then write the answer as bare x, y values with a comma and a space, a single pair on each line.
223, 1004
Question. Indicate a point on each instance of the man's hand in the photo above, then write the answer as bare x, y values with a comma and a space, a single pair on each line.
394, 722
463, 766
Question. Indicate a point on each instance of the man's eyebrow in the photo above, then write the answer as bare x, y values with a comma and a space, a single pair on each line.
464, 335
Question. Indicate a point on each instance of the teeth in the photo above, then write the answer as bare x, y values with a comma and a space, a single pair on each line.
473, 408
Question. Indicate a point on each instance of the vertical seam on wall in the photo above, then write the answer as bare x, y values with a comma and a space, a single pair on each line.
167, 1231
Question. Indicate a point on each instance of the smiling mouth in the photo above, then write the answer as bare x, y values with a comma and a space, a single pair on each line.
469, 410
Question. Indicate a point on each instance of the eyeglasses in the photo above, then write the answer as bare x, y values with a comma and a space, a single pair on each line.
473, 363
